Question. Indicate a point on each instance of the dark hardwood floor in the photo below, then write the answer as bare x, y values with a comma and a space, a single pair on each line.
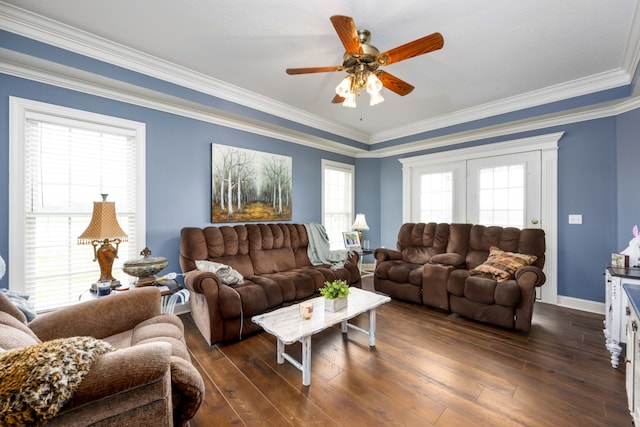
428, 368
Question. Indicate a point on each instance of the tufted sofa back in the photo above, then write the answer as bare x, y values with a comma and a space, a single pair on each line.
252, 249
530, 241
419, 242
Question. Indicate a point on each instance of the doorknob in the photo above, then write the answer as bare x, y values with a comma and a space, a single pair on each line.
534, 221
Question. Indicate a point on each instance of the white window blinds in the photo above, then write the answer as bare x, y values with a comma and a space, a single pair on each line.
68, 163
338, 200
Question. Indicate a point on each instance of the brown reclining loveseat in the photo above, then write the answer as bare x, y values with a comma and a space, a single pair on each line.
484, 273
275, 268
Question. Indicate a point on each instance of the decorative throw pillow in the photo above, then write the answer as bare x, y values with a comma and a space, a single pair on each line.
227, 275
502, 265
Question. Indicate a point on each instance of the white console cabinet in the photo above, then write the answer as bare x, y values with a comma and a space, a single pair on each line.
632, 380
615, 318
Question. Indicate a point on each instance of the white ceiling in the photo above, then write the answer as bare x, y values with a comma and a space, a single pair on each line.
498, 55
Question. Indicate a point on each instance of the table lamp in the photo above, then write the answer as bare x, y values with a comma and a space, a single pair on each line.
360, 224
103, 230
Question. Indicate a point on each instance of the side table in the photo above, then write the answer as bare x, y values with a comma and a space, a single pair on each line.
171, 292
361, 254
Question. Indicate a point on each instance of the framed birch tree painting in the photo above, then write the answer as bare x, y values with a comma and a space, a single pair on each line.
249, 186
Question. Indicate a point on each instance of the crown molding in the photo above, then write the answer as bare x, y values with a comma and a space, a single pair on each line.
43, 71
608, 109
49, 31
31, 68
584, 86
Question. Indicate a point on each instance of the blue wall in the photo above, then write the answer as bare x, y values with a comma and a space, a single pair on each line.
628, 175
597, 169
587, 185
178, 164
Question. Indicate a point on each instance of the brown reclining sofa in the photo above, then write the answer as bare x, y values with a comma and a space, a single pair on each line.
448, 266
275, 268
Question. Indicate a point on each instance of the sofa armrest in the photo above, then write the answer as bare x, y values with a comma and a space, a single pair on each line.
123, 370
530, 276
101, 317
188, 390
384, 254
202, 282
452, 259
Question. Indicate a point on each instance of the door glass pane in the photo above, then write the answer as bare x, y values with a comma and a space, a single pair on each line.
436, 197
502, 195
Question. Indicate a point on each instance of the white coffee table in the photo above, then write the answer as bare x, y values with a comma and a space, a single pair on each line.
288, 327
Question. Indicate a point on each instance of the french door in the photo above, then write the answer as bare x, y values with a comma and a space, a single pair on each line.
504, 190
512, 184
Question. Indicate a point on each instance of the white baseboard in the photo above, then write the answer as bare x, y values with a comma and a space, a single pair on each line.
581, 304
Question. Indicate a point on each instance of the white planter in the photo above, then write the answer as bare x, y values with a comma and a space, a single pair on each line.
335, 304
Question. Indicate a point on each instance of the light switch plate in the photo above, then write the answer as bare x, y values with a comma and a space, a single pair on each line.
575, 219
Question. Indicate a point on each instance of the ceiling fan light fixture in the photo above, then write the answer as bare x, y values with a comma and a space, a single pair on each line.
350, 100
375, 98
373, 84
344, 88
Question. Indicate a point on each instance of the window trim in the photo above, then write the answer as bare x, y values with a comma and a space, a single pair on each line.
20, 110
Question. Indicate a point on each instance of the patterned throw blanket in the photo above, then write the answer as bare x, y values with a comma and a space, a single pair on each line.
36, 381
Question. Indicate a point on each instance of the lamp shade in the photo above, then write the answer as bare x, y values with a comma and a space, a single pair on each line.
103, 225
3, 267
360, 223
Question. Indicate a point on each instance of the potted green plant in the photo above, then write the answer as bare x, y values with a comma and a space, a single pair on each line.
335, 295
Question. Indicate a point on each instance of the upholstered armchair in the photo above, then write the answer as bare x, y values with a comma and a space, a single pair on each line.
142, 377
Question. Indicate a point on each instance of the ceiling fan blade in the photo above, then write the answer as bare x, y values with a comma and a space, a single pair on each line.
421, 46
337, 99
308, 70
394, 84
348, 33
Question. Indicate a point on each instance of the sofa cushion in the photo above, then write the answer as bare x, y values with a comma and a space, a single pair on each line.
480, 289
163, 328
502, 265
400, 271
272, 260
508, 293
417, 254
455, 283
448, 259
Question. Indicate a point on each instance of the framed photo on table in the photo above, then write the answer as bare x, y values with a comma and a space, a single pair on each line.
351, 240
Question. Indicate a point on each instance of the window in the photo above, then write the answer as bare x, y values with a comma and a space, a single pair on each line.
436, 197
61, 161
337, 200
501, 196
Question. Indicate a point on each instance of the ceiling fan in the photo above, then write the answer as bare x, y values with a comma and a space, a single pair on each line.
362, 60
